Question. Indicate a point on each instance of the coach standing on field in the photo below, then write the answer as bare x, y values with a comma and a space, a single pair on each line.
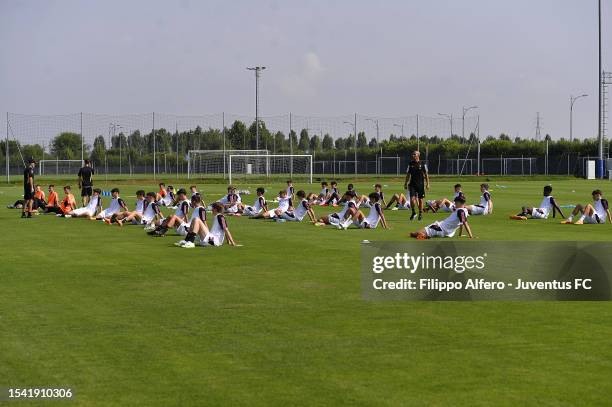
86, 182
417, 180
28, 189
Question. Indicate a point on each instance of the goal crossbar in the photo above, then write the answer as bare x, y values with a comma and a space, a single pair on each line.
224, 153
269, 157
41, 164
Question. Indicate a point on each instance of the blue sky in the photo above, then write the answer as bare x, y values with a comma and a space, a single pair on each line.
326, 58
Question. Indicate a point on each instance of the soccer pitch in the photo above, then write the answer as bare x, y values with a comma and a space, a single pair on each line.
126, 319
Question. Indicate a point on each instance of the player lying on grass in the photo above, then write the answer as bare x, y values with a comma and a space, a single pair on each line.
38, 202
485, 206
547, 206
285, 203
180, 216
94, 205
165, 196
259, 205
443, 204
134, 216
447, 227
350, 207
302, 209
215, 236
398, 201
116, 206
67, 204
232, 203
595, 213
375, 216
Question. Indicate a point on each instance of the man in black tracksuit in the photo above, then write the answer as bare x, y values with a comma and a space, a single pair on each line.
417, 181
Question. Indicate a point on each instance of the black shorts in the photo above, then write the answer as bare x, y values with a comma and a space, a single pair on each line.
27, 193
87, 190
417, 191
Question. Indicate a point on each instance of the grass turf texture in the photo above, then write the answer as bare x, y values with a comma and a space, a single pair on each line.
126, 319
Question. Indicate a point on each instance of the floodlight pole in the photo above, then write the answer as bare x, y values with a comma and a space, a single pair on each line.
377, 141
450, 118
354, 125
465, 110
257, 70
400, 126
6, 150
599, 85
572, 101
82, 142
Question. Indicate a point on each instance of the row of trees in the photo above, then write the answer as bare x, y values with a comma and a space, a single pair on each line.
137, 148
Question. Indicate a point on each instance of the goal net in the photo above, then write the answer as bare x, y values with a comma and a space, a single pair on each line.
388, 165
202, 163
249, 166
59, 167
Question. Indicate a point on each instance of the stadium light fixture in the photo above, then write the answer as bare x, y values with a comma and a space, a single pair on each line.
573, 100
401, 126
465, 110
257, 70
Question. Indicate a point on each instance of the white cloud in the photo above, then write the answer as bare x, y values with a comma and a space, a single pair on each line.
302, 83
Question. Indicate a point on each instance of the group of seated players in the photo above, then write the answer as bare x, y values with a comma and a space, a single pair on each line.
190, 218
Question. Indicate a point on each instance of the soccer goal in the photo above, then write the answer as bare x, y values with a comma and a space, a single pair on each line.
388, 165
59, 167
462, 166
520, 166
247, 166
201, 163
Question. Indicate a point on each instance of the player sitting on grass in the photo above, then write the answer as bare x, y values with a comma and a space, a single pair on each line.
37, 203
194, 190
165, 196
322, 197
485, 207
350, 208
371, 221
301, 210
232, 203
591, 214
448, 226
215, 236
134, 216
180, 216
548, 205
151, 215
259, 205
198, 212
94, 205
117, 205
53, 201
333, 197
285, 203
67, 204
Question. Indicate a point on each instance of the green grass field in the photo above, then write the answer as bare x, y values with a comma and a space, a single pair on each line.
126, 319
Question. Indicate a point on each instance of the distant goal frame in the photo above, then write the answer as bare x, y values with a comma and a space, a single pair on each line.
272, 156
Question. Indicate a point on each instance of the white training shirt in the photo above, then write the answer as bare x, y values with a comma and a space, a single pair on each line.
115, 206
601, 209
140, 206
374, 216
198, 212
347, 205
450, 225
259, 203
284, 203
150, 210
183, 209
301, 209
93, 204
218, 228
547, 205
290, 190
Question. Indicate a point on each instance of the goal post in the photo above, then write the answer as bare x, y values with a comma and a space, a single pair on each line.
213, 162
270, 165
59, 167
